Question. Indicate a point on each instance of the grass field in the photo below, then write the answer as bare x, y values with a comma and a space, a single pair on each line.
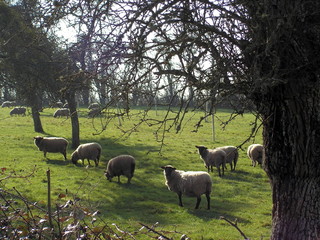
244, 194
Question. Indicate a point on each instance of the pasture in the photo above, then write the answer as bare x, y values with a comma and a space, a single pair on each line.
244, 194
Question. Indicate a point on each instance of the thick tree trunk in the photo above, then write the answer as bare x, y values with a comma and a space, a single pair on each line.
74, 120
36, 119
292, 159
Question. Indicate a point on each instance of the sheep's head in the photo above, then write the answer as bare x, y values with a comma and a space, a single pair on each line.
201, 148
74, 157
37, 140
168, 169
108, 175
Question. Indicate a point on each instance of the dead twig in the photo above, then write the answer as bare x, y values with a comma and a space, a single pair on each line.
235, 226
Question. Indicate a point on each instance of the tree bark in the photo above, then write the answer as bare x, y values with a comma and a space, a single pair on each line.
74, 120
36, 119
292, 159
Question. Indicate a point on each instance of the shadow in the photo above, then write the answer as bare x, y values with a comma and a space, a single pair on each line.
61, 162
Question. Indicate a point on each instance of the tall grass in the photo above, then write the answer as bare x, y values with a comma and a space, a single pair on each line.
243, 194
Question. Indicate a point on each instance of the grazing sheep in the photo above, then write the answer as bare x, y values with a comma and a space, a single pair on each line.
213, 158
89, 151
191, 183
18, 111
93, 106
120, 165
62, 112
232, 155
94, 112
255, 153
52, 145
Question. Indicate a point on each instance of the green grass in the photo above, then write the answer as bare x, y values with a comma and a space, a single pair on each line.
244, 195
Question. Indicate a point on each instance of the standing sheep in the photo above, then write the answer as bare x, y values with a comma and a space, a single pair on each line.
52, 145
93, 106
18, 111
89, 151
120, 165
255, 153
62, 112
191, 183
232, 155
213, 157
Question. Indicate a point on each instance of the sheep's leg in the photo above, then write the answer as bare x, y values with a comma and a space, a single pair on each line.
219, 171
231, 166
208, 200
198, 202
129, 179
65, 155
119, 179
223, 169
45, 154
180, 199
88, 161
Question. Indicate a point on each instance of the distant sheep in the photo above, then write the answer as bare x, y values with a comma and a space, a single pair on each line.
8, 104
18, 111
213, 158
94, 112
191, 184
120, 165
56, 104
62, 112
89, 151
255, 153
232, 156
66, 105
93, 106
51, 145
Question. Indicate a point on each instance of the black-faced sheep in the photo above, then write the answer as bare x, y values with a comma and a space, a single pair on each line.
191, 184
18, 111
62, 112
213, 158
120, 165
51, 145
255, 153
232, 156
89, 151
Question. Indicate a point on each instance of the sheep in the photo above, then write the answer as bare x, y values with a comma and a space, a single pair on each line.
255, 153
62, 112
190, 183
120, 165
94, 112
66, 105
8, 104
232, 155
18, 111
58, 104
93, 106
89, 151
52, 145
213, 157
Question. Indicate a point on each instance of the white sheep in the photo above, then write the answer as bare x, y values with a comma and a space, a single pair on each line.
120, 165
232, 155
93, 106
213, 158
62, 112
94, 112
52, 145
18, 111
89, 151
8, 104
255, 153
190, 183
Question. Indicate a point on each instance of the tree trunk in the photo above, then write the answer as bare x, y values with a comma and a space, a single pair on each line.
36, 119
292, 159
74, 120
